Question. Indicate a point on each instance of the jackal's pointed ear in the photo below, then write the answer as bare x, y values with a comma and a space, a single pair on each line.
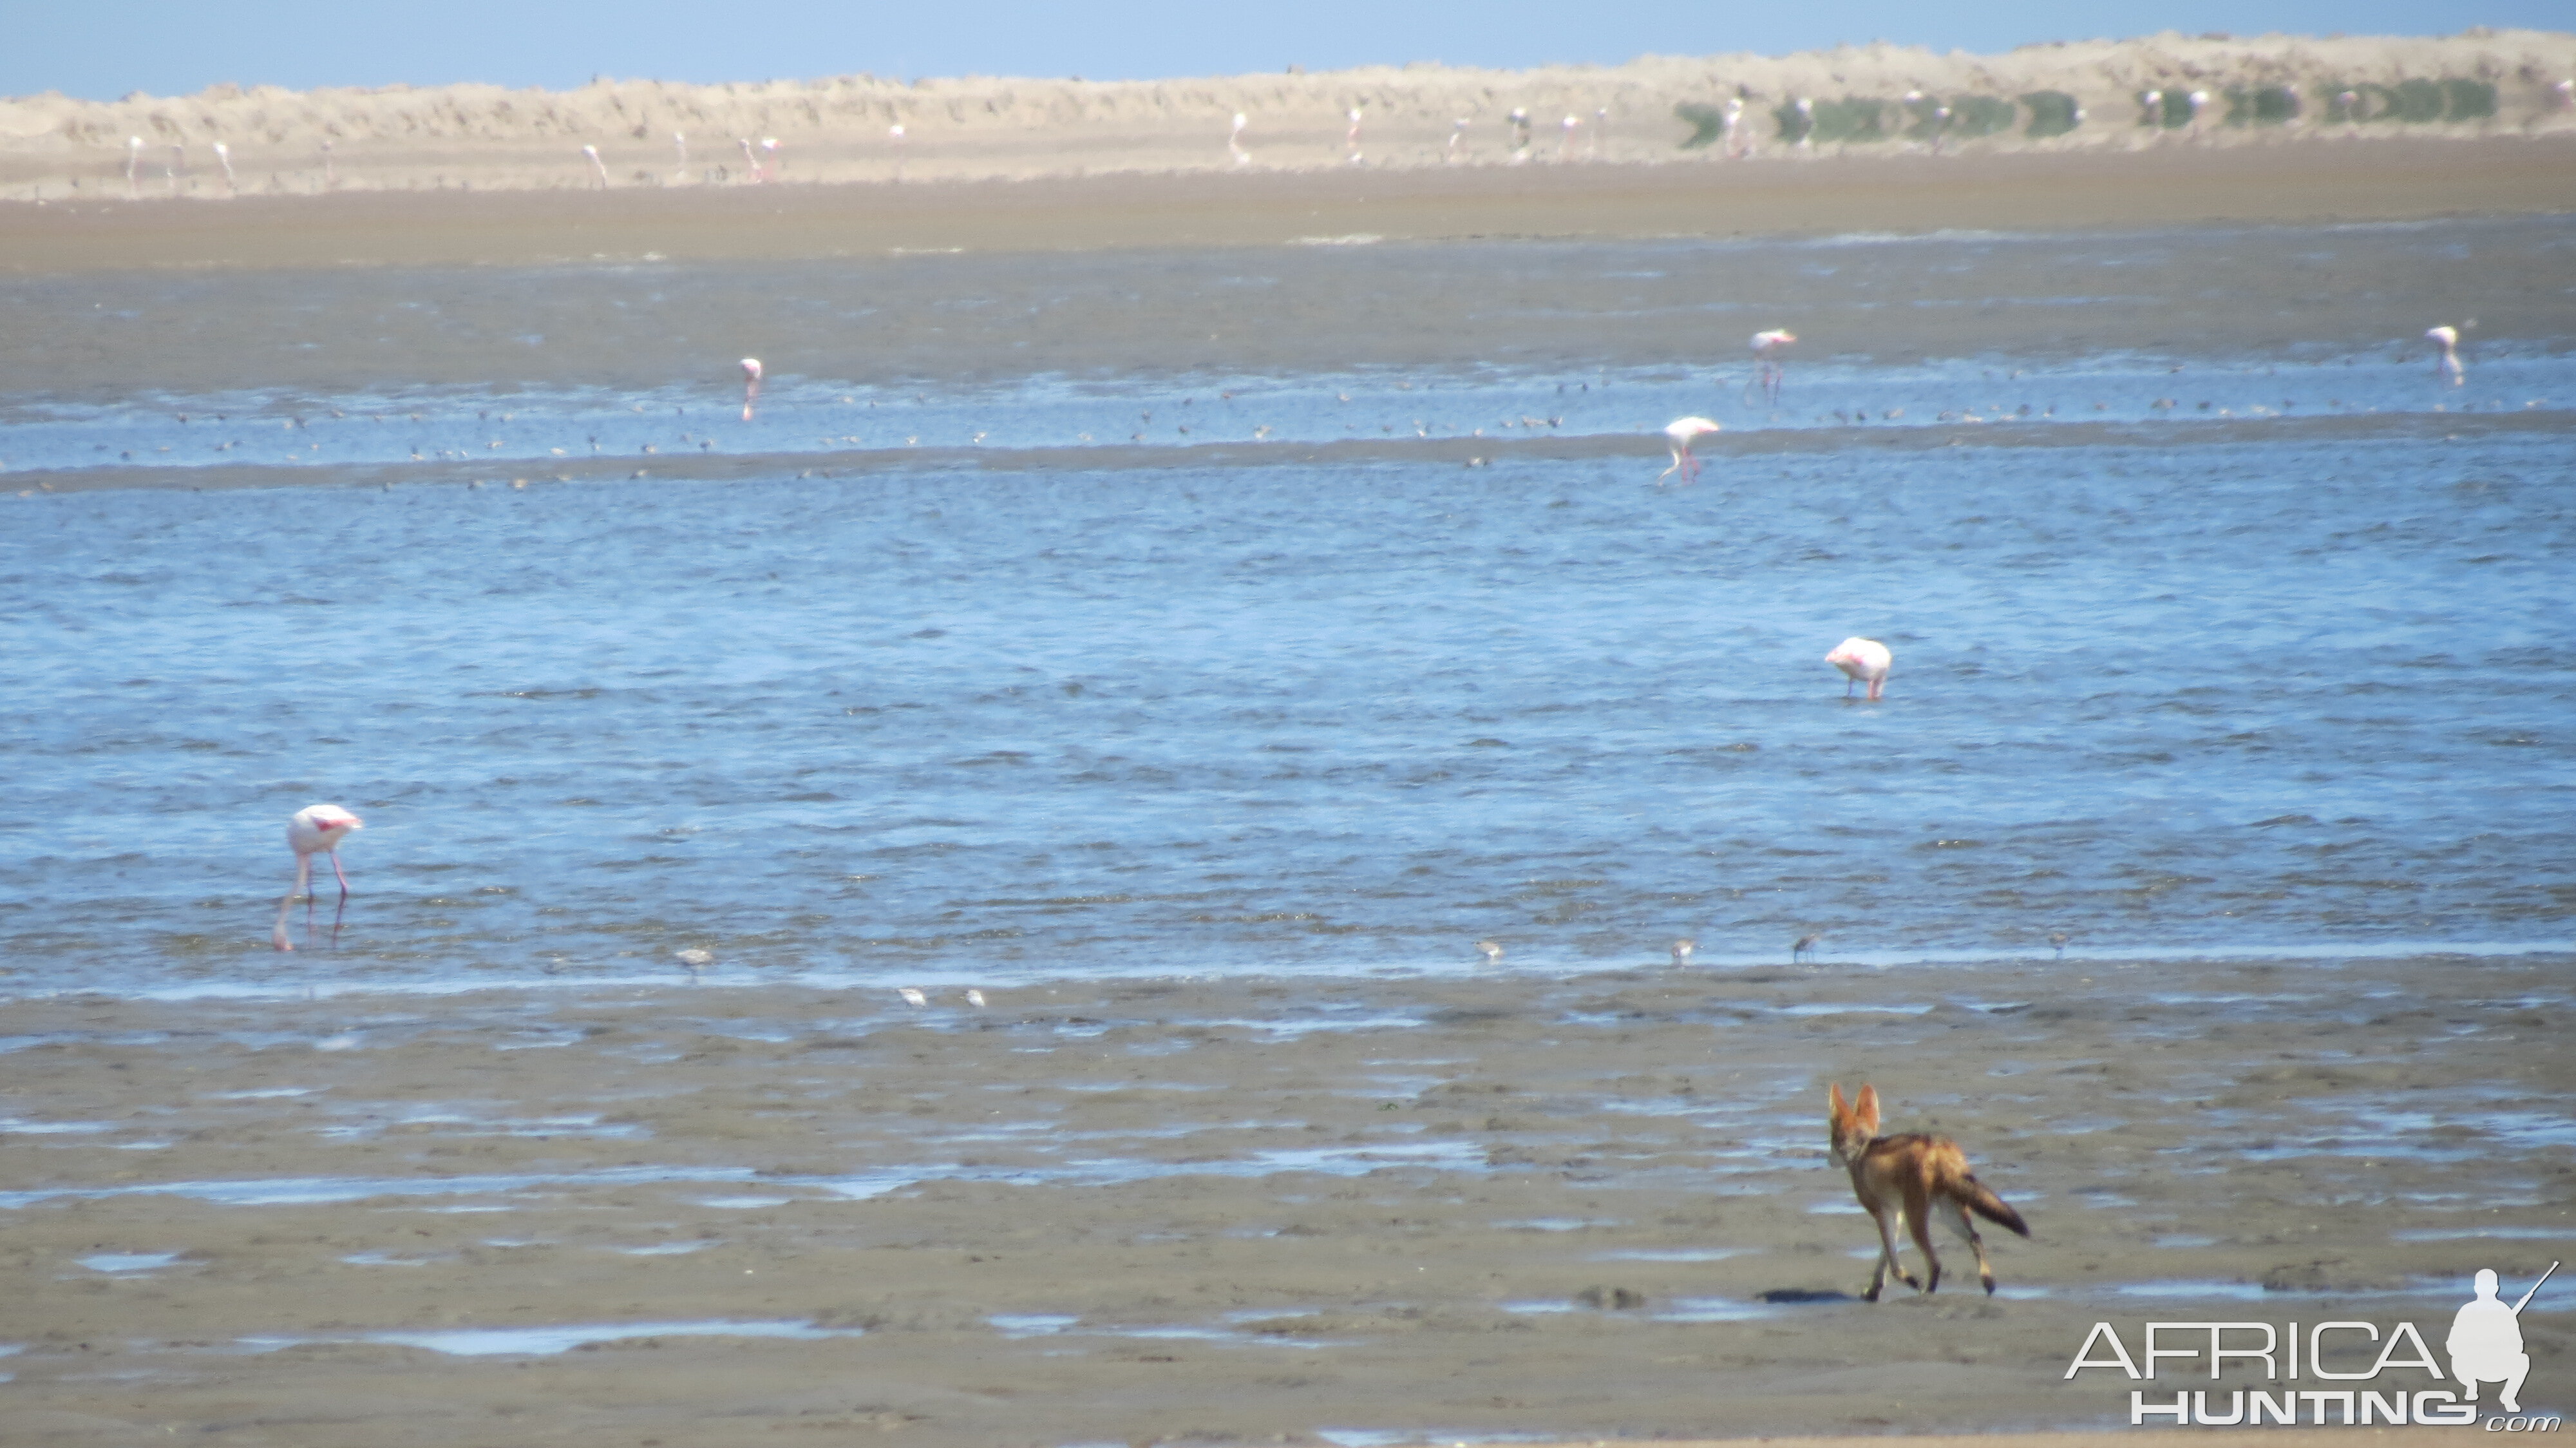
1835, 1101
1867, 1110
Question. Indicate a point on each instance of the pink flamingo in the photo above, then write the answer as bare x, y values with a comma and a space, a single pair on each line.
1457, 133
750, 385
1767, 350
224, 156
1565, 137
894, 138
133, 157
1234, 142
1683, 431
680, 144
315, 829
1354, 137
597, 165
2448, 364
1863, 661
748, 159
777, 166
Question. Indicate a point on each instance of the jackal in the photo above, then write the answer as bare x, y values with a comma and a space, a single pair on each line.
1907, 1178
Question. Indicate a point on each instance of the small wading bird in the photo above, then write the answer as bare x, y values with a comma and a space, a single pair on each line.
2059, 938
1768, 348
1908, 1179
2446, 341
1804, 946
1492, 950
314, 829
750, 385
1682, 951
1863, 661
975, 998
913, 997
694, 960
1682, 432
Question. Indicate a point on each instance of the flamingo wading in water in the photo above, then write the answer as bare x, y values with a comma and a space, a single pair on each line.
1863, 661
1683, 431
315, 829
1768, 348
750, 385
2447, 340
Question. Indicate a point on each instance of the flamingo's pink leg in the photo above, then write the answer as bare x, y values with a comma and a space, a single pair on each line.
303, 872
343, 874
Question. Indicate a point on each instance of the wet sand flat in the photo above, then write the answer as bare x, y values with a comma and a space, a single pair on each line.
1252, 1210
2380, 180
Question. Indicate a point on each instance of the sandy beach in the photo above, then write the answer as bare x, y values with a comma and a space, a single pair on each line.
1594, 1206
2399, 179
2150, 93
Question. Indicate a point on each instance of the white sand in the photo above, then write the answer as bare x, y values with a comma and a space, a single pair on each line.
840, 129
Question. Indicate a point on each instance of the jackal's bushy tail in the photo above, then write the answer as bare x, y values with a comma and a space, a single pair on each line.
1982, 1201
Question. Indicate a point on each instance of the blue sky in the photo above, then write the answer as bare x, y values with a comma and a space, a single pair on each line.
170, 48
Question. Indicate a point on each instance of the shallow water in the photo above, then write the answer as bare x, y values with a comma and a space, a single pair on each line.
2274, 688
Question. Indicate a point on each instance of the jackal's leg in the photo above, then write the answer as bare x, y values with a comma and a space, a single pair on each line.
1959, 1223
1918, 1220
1886, 1253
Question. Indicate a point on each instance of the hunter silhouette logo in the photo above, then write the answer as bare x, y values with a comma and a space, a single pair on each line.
2361, 1371
2486, 1341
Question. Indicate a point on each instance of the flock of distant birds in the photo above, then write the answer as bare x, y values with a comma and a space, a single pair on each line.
321, 829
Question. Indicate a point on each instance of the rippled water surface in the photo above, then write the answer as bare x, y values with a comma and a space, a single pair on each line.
2271, 685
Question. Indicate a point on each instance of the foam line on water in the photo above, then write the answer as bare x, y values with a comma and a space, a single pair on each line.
1035, 977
